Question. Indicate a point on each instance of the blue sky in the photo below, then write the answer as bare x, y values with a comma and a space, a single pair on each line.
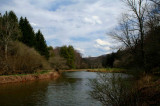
81, 23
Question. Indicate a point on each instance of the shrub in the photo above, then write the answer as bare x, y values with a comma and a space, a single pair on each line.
58, 63
113, 90
22, 59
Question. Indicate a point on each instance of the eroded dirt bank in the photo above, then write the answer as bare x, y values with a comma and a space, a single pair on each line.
29, 77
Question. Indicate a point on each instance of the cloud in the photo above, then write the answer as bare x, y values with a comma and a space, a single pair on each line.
80, 50
65, 21
93, 20
103, 48
33, 24
102, 42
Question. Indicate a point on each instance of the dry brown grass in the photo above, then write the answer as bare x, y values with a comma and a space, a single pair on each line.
148, 90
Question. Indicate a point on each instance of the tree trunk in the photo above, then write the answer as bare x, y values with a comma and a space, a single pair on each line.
5, 51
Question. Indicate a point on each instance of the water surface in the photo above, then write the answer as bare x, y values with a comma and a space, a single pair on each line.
70, 90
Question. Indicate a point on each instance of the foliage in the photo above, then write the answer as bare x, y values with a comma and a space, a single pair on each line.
22, 59
41, 45
68, 54
108, 60
51, 51
28, 56
78, 59
18, 57
28, 35
58, 63
152, 49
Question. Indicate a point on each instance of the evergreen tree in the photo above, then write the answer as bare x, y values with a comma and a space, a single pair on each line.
28, 36
64, 52
71, 59
68, 54
41, 45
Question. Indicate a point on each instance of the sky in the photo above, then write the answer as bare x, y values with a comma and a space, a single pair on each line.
84, 24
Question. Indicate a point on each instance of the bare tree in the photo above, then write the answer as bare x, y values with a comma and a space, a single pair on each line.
139, 10
156, 1
126, 33
132, 26
153, 15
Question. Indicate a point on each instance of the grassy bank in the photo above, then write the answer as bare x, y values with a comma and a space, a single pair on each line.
73, 70
29, 77
109, 70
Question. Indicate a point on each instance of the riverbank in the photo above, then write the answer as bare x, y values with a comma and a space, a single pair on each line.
72, 70
28, 77
107, 70
147, 90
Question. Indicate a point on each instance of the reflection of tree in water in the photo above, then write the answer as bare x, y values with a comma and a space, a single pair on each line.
114, 90
23, 93
71, 90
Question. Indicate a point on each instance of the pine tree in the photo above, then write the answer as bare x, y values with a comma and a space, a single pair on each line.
41, 45
28, 35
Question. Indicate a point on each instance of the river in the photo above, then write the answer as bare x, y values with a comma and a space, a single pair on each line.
70, 90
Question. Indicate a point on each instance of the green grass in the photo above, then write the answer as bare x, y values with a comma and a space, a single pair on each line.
114, 70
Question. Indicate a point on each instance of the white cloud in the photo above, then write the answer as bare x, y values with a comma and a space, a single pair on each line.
103, 48
33, 24
84, 18
93, 20
80, 50
102, 42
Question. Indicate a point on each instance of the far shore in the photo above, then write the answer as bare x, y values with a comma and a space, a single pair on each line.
107, 70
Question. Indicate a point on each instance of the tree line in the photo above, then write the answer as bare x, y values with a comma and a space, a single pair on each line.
25, 51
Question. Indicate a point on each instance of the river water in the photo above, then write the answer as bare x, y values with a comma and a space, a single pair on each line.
70, 90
